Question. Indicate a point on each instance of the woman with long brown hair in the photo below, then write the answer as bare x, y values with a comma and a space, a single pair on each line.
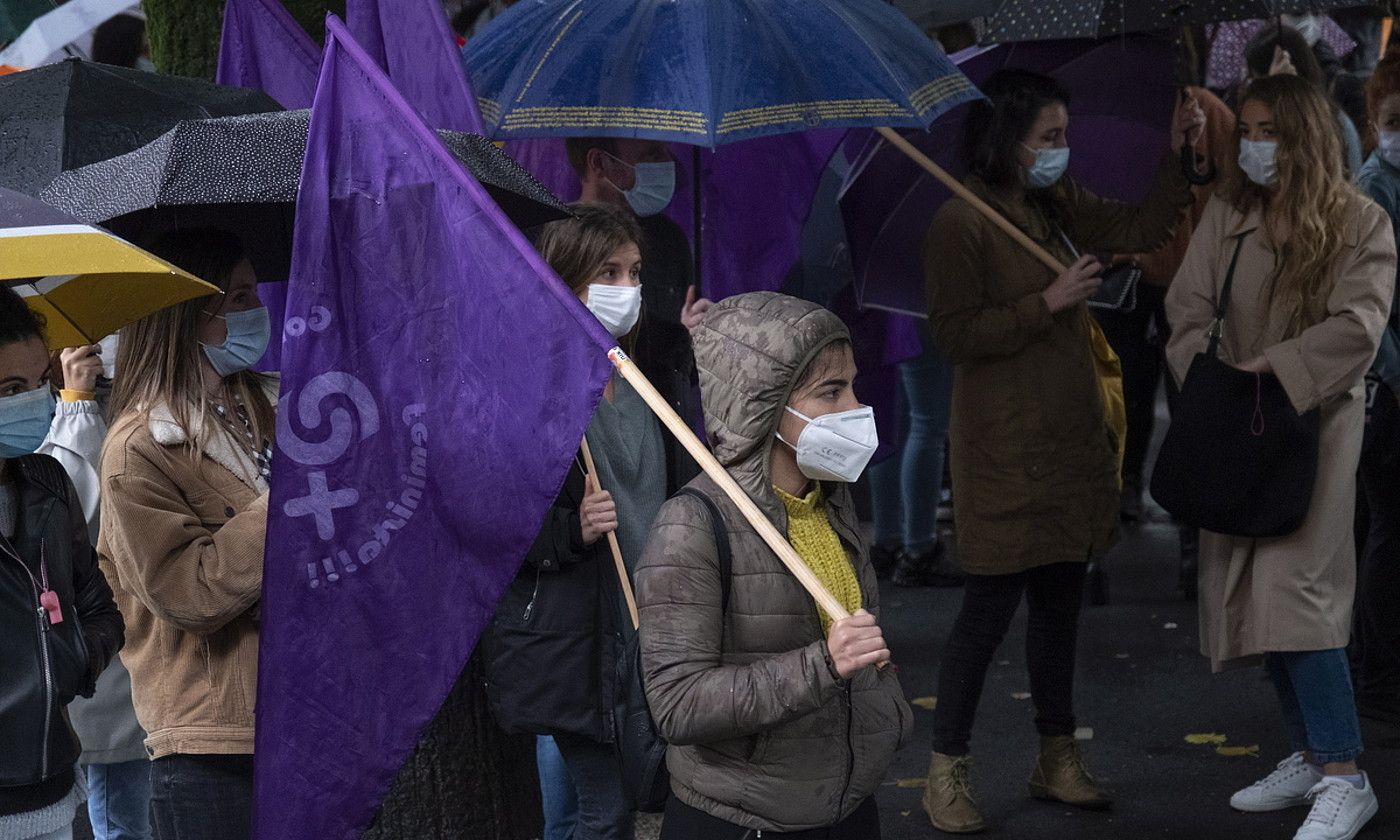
184, 518
1314, 272
552, 648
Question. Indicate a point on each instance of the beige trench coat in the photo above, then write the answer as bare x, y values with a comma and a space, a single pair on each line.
1290, 593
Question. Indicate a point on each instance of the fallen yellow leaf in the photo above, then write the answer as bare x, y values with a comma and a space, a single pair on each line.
1251, 751
905, 813
917, 782
929, 703
1205, 738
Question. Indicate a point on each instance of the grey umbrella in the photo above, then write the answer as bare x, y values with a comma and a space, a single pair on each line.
241, 173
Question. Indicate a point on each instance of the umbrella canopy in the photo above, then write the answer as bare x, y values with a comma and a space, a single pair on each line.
1121, 99
46, 37
75, 112
86, 282
1038, 20
241, 173
16, 15
707, 73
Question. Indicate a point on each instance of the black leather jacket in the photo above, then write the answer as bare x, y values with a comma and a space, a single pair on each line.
43, 664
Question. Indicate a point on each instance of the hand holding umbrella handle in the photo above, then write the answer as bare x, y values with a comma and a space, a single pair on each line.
779, 545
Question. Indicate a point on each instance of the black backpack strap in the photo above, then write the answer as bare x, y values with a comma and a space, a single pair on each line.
726, 559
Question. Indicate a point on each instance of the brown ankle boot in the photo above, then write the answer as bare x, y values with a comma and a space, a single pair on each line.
1060, 775
948, 795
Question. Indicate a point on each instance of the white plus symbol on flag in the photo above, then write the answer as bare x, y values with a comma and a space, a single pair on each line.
321, 503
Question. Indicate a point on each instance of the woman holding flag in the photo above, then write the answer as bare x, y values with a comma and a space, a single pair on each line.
776, 717
552, 648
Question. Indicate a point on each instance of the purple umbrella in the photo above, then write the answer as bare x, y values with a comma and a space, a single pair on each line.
1122, 94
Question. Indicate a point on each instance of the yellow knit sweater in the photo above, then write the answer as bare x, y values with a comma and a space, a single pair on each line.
811, 534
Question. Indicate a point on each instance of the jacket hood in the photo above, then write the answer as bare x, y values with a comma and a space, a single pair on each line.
749, 351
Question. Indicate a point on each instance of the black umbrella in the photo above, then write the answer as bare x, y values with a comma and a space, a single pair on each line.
241, 173
1039, 20
73, 113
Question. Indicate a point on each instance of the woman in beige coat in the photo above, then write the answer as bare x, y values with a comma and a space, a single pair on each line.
184, 519
1311, 292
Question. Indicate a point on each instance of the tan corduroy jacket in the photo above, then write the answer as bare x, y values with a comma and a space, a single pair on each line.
182, 545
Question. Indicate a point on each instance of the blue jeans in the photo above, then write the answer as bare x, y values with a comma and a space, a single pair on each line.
905, 488
556, 790
119, 800
1319, 709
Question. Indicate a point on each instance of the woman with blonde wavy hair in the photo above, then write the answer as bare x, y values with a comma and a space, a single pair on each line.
1314, 273
184, 520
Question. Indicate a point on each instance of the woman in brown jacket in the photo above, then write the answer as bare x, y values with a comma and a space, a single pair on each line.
777, 719
1309, 300
1034, 466
184, 517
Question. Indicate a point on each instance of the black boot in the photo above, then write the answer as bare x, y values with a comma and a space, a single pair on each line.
884, 558
926, 569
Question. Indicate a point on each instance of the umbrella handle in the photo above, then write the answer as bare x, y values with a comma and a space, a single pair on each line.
1188, 167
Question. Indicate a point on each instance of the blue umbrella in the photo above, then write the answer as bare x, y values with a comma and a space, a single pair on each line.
707, 72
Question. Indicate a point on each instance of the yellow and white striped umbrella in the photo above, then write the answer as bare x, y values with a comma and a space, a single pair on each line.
86, 282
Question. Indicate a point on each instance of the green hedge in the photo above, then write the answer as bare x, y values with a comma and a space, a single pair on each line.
185, 33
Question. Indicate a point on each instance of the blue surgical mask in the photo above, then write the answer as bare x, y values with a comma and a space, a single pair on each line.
248, 334
1257, 159
24, 421
654, 186
1049, 166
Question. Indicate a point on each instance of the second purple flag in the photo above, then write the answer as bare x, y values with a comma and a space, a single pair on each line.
424, 428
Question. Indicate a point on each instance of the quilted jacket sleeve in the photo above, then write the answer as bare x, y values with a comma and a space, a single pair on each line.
694, 696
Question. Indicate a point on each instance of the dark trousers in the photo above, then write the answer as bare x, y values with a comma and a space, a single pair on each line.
603, 810
1376, 637
1053, 596
1138, 337
683, 822
202, 797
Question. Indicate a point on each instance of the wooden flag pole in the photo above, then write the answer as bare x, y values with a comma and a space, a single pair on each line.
622, 577
779, 544
965, 194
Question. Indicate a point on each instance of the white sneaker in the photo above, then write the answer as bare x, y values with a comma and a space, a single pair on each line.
1340, 810
1286, 787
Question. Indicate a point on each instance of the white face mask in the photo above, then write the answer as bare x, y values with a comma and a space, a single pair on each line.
835, 447
1257, 159
654, 184
109, 356
617, 307
1388, 147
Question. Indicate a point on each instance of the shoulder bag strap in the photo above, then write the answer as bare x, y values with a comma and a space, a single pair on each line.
721, 530
1217, 327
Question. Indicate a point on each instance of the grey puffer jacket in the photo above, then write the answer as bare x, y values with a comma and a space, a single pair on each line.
762, 732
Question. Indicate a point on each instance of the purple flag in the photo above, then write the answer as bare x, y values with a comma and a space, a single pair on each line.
425, 427
263, 47
413, 42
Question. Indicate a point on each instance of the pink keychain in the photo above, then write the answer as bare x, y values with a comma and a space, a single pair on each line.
49, 601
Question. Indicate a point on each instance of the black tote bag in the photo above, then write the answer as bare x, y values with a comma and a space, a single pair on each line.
1237, 459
